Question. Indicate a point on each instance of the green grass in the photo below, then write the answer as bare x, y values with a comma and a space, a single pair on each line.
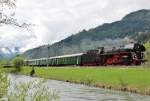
128, 78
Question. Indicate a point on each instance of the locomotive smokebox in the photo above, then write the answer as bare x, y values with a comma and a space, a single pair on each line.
139, 47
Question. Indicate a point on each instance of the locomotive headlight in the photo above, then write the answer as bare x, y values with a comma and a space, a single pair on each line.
134, 56
125, 56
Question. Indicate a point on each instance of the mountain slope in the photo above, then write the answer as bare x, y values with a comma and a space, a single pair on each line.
133, 27
6, 52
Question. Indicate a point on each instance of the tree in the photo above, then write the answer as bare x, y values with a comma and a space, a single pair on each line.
7, 19
18, 62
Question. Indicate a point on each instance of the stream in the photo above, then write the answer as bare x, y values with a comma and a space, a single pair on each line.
77, 92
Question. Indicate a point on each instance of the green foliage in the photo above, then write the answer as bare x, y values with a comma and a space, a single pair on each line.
3, 84
147, 45
18, 62
25, 91
31, 91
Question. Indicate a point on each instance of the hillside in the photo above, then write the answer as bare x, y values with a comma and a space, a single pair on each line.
133, 27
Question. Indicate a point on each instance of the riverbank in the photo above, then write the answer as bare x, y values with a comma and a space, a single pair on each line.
132, 79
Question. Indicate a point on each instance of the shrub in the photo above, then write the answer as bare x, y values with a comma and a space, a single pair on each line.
25, 91
18, 63
31, 91
3, 84
147, 45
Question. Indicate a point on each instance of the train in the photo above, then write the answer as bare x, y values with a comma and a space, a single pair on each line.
131, 54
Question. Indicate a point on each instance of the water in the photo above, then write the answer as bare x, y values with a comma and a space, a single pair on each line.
77, 92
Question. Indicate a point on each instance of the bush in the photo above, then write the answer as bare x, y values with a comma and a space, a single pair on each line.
147, 45
3, 84
34, 90
18, 62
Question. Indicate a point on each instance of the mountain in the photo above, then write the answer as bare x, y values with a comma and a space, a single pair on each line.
6, 52
133, 27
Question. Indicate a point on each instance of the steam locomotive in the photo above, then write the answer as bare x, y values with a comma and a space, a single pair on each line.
132, 54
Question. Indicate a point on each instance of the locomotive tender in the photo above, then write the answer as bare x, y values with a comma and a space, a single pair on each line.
132, 54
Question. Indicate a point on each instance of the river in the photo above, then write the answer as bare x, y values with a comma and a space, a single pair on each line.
76, 92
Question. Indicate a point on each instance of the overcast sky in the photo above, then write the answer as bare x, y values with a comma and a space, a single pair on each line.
57, 19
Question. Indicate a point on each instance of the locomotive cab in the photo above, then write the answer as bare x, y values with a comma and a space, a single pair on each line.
137, 53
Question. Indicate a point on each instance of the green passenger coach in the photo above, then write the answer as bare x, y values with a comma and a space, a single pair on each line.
73, 59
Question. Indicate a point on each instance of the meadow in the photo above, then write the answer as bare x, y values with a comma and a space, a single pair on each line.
132, 79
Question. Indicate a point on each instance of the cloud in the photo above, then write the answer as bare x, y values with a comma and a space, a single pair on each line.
13, 37
57, 19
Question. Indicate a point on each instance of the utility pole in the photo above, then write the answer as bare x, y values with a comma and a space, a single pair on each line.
47, 54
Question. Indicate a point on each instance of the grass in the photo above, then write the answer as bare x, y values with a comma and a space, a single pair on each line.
133, 79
